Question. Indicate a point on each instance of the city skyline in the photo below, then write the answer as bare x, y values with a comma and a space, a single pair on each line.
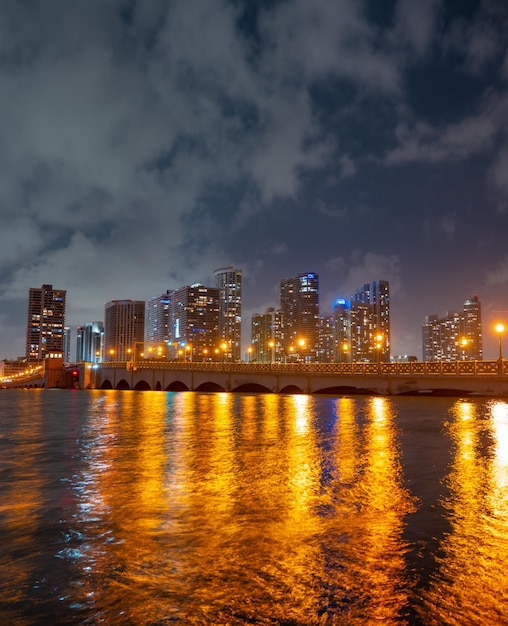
143, 145
299, 304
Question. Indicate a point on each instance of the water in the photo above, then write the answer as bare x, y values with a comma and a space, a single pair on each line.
122, 507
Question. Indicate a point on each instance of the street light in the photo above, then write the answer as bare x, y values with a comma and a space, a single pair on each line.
271, 345
249, 352
301, 343
500, 331
463, 343
379, 345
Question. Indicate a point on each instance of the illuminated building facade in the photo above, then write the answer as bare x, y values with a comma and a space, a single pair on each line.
124, 329
267, 328
89, 342
46, 322
195, 323
158, 320
374, 345
327, 346
228, 281
457, 336
299, 305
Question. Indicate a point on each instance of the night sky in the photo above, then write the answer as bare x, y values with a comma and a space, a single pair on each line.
144, 144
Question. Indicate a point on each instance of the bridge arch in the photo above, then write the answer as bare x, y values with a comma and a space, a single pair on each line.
210, 386
106, 384
252, 388
142, 385
177, 385
345, 390
291, 389
122, 384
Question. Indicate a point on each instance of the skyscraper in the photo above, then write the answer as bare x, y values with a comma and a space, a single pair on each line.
266, 328
376, 295
124, 329
89, 342
158, 320
456, 336
195, 321
228, 281
299, 305
473, 345
46, 321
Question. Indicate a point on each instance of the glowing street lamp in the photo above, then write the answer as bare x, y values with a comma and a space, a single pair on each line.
271, 344
249, 352
379, 345
463, 343
500, 331
301, 343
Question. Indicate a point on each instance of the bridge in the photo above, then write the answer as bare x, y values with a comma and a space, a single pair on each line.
481, 378
485, 378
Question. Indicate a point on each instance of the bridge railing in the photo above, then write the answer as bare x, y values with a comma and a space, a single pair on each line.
415, 368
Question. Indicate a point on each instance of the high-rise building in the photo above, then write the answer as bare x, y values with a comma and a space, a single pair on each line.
46, 322
124, 329
158, 320
267, 337
376, 295
454, 337
89, 342
228, 281
473, 345
341, 312
67, 344
195, 323
327, 347
299, 305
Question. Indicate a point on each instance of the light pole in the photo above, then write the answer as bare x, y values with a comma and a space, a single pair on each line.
301, 343
270, 345
463, 343
500, 331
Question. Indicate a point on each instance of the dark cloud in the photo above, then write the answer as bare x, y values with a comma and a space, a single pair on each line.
145, 144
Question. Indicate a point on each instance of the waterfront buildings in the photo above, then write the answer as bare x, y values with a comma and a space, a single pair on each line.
299, 305
159, 321
90, 342
195, 324
124, 329
361, 326
46, 321
375, 345
267, 336
228, 281
455, 336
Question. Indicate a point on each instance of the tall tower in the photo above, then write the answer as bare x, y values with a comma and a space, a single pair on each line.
299, 304
158, 319
473, 348
124, 328
89, 342
376, 295
266, 329
46, 322
456, 336
195, 321
228, 281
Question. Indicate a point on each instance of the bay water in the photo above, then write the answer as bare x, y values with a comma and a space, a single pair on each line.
144, 508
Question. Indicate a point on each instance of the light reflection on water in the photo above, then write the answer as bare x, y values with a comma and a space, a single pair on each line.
471, 579
153, 507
